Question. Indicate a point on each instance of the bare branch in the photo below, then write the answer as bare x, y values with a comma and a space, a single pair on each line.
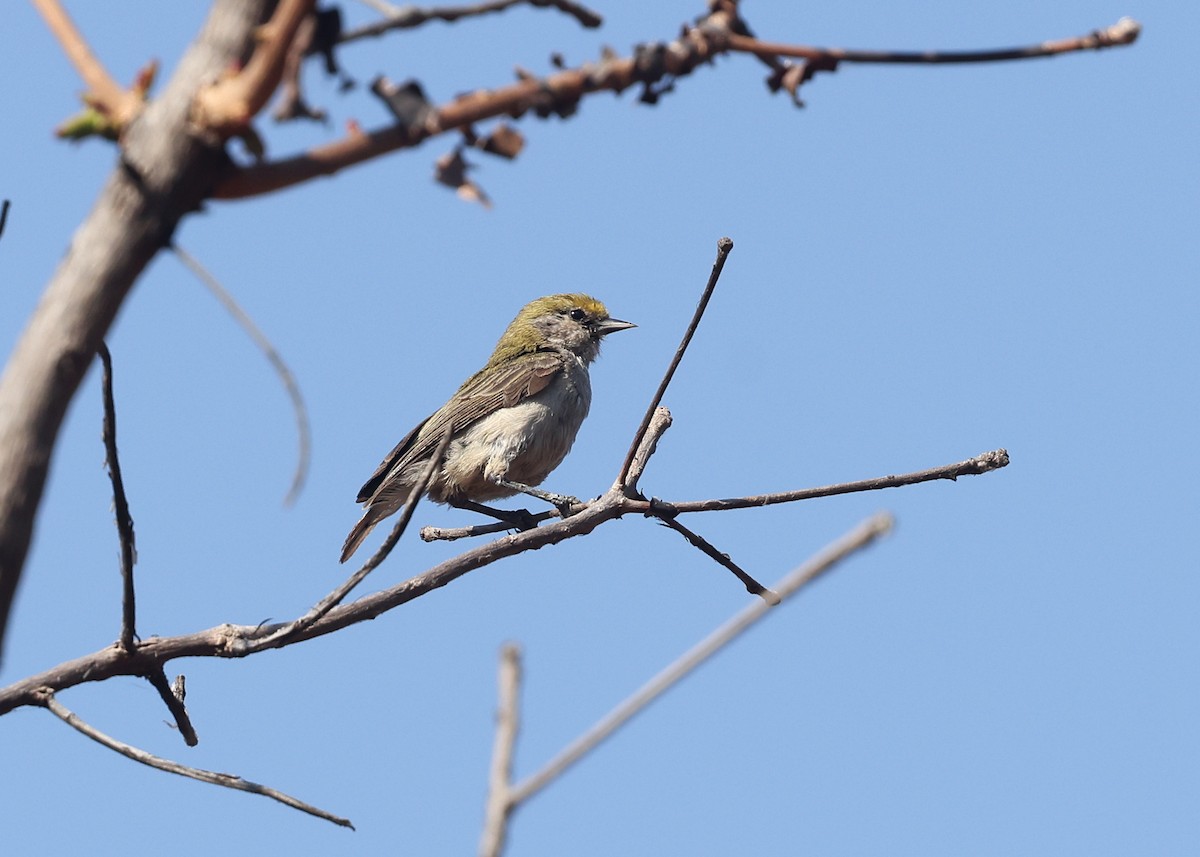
299, 409
229, 781
228, 106
658, 425
236, 641
120, 504
4, 214
559, 94
174, 703
499, 805
336, 597
858, 538
406, 17
982, 463
724, 246
706, 547
1124, 32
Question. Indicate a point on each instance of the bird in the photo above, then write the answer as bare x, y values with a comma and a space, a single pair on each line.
510, 424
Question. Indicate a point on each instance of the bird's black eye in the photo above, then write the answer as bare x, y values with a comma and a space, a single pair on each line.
578, 314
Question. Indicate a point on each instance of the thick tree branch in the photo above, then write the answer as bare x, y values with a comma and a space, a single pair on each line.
47, 700
165, 172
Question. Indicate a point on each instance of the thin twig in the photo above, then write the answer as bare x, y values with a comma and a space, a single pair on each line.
3, 214
174, 702
1124, 32
724, 246
499, 805
299, 409
334, 598
120, 504
983, 463
407, 17
104, 92
658, 425
706, 547
858, 538
49, 701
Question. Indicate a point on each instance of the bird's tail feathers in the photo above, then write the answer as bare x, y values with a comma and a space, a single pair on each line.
360, 531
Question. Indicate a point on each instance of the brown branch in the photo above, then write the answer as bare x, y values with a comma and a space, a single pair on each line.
1124, 32
558, 94
284, 373
48, 700
858, 538
174, 703
397, 18
228, 106
724, 247
499, 805
120, 504
104, 93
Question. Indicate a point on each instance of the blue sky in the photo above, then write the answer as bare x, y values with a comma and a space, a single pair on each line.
928, 264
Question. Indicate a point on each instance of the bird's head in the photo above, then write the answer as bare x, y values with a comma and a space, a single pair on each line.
575, 323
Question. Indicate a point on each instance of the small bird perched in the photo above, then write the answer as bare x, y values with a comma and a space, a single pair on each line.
511, 423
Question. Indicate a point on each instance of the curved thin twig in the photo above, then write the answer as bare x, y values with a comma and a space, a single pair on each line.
299, 409
229, 781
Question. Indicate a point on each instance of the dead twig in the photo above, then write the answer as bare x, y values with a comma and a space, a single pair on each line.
173, 697
120, 504
229, 781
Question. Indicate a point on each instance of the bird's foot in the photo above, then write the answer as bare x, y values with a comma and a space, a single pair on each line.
563, 502
521, 519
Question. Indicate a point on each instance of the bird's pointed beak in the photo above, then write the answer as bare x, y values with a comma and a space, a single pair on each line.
612, 325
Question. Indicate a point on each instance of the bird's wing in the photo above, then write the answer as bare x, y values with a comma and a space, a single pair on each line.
483, 393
